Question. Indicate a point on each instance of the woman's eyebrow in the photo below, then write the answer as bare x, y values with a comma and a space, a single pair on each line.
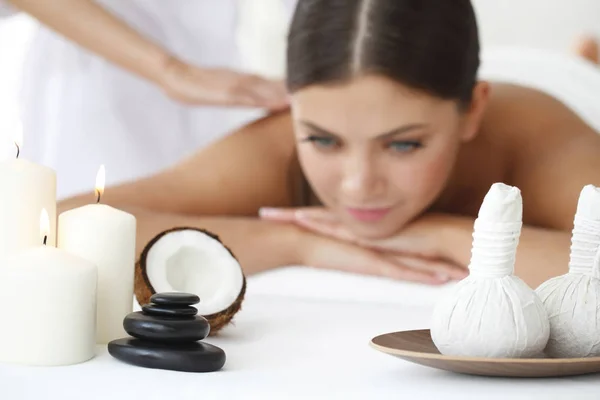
400, 130
318, 129
396, 131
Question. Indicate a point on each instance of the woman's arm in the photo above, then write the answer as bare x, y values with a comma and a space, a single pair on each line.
542, 253
264, 245
94, 28
258, 246
221, 189
251, 168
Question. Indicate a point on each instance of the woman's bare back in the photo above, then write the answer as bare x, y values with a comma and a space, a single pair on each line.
530, 140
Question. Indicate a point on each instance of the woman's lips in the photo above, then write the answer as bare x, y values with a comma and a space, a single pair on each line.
368, 214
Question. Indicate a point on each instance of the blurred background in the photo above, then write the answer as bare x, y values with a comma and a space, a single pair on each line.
542, 24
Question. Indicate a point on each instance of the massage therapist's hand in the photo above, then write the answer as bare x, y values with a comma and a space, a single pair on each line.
413, 248
221, 87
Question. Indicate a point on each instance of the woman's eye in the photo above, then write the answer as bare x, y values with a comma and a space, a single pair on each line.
322, 142
405, 146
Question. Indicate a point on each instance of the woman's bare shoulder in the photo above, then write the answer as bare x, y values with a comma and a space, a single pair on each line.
250, 168
550, 152
526, 113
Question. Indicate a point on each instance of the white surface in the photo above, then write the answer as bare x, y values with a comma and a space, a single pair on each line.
106, 237
289, 348
63, 331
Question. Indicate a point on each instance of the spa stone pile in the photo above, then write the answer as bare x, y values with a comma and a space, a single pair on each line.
167, 334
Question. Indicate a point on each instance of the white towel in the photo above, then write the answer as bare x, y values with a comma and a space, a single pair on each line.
573, 80
7, 10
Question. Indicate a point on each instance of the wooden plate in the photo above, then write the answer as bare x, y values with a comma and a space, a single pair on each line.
417, 347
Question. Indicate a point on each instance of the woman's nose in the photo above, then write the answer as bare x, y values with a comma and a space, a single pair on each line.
361, 180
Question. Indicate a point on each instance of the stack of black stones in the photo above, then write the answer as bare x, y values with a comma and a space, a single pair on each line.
167, 334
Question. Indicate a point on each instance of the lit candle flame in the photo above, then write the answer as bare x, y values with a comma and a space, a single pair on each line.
100, 181
18, 138
44, 225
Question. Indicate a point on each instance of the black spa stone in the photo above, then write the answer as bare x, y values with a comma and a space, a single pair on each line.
166, 311
166, 329
187, 357
174, 299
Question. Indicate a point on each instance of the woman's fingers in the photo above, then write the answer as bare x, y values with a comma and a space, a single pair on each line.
278, 214
323, 252
221, 87
267, 93
326, 227
296, 214
588, 47
316, 219
401, 270
443, 269
328, 253
397, 262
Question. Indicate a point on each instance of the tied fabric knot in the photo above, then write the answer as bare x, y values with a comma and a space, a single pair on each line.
585, 247
494, 248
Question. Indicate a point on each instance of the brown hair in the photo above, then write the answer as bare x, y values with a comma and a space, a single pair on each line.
430, 45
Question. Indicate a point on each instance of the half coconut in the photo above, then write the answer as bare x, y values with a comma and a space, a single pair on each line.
194, 261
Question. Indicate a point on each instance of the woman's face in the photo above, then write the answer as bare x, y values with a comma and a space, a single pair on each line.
376, 152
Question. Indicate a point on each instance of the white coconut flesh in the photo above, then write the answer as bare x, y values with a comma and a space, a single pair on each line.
190, 261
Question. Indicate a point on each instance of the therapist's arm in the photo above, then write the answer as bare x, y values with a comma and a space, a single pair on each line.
96, 29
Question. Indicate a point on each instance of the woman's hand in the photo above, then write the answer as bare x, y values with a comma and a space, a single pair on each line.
413, 248
221, 87
322, 252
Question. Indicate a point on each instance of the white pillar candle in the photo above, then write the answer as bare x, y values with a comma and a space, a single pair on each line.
105, 236
49, 317
27, 188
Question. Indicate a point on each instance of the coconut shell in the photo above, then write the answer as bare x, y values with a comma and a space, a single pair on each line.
143, 288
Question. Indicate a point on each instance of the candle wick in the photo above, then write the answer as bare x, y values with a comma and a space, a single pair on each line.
18, 150
98, 196
45, 239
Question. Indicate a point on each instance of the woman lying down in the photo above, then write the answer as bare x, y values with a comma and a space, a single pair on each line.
382, 164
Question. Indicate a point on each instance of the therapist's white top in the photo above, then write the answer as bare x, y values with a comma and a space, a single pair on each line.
80, 111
